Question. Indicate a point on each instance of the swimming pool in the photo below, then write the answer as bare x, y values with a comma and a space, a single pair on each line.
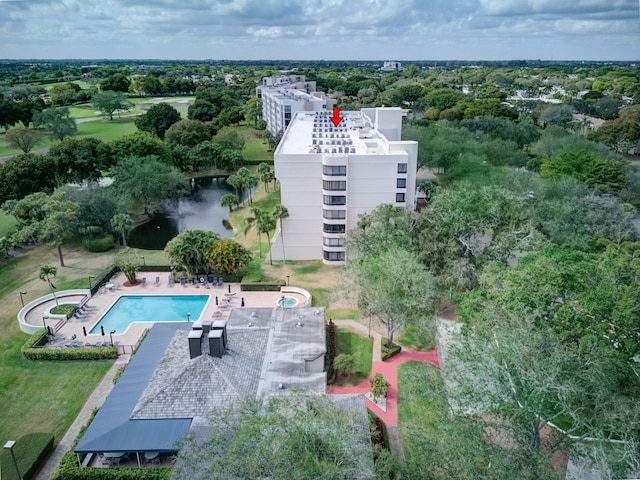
150, 308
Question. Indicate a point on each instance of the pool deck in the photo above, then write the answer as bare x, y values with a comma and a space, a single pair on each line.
126, 341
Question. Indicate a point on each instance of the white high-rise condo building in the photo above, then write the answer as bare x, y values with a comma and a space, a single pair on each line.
283, 96
331, 174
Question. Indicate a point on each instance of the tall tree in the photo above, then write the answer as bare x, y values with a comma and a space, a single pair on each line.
393, 287
122, 223
47, 272
79, 159
265, 223
109, 101
23, 138
189, 250
158, 119
56, 121
229, 200
188, 133
147, 182
309, 437
280, 212
116, 83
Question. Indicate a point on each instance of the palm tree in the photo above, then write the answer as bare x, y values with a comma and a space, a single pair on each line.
265, 224
229, 200
279, 212
257, 213
46, 272
122, 223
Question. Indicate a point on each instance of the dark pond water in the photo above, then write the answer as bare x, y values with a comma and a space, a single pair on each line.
201, 210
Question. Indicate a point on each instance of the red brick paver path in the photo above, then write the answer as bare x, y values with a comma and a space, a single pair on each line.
389, 370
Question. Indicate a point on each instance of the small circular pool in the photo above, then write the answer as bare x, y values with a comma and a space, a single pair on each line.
287, 302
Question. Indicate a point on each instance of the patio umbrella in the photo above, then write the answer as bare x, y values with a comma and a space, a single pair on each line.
242, 302
84, 331
102, 329
229, 288
216, 300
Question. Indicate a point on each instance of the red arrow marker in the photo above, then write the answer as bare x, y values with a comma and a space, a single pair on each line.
336, 119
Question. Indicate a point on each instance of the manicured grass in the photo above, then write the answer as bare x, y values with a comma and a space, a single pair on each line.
106, 130
361, 349
254, 147
83, 111
42, 396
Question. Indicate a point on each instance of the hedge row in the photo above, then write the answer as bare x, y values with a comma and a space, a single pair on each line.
387, 352
332, 351
29, 451
68, 469
261, 287
33, 350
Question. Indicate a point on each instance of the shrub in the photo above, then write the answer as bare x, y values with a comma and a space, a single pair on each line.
64, 309
387, 352
29, 451
98, 244
33, 350
378, 385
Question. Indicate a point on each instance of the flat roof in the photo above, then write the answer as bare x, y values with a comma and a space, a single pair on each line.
314, 132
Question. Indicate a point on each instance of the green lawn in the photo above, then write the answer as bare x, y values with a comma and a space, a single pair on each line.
42, 396
254, 148
361, 349
107, 130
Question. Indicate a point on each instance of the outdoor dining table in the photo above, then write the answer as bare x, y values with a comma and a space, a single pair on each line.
113, 454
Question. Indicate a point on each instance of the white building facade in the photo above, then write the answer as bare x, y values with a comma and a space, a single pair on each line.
329, 175
283, 96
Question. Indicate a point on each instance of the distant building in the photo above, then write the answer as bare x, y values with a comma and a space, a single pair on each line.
329, 175
282, 96
392, 66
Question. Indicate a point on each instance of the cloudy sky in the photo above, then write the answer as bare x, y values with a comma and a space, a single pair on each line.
322, 29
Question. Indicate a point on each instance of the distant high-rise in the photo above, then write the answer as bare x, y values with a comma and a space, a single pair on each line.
329, 175
284, 95
392, 66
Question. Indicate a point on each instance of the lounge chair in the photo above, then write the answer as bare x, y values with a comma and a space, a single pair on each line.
220, 282
144, 281
205, 282
216, 314
183, 282
157, 282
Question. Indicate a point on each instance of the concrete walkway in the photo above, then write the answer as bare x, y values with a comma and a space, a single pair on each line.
95, 400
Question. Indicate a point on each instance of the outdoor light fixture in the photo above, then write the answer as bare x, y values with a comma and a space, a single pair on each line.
287, 280
21, 298
144, 263
90, 277
44, 321
111, 336
189, 317
9, 446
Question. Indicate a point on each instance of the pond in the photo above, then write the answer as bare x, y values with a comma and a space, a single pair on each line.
201, 210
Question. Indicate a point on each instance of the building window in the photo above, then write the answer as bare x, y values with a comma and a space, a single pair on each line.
334, 170
334, 199
334, 185
333, 242
402, 168
329, 228
401, 183
399, 197
334, 214
334, 256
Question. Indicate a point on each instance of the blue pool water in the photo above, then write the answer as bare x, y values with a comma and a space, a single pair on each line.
150, 308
